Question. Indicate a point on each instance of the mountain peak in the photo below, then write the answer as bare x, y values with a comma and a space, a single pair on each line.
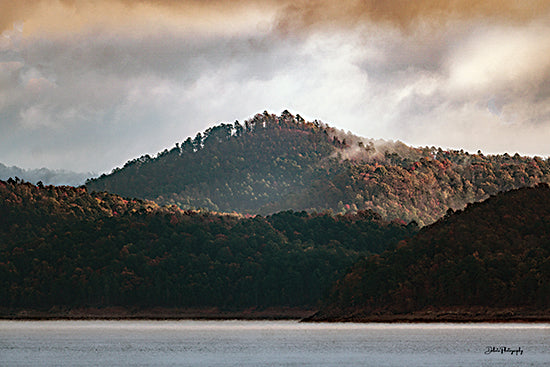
271, 163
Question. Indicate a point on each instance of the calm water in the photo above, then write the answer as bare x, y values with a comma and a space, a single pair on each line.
268, 343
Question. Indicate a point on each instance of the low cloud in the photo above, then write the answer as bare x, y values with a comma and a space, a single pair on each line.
44, 175
87, 86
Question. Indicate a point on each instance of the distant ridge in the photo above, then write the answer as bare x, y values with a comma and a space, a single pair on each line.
44, 175
272, 163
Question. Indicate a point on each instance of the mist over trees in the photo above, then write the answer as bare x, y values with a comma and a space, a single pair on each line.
44, 175
273, 163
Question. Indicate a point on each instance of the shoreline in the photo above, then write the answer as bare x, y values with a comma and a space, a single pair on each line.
274, 313
449, 315
156, 313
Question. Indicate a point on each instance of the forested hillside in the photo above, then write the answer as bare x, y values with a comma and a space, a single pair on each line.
274, 163
241, 168
494, 254
65, 247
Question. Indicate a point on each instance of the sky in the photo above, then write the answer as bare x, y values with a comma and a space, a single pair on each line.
88, 85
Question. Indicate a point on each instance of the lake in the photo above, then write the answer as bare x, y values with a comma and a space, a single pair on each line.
270, 343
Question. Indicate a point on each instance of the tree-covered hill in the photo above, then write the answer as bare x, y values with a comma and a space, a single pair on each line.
274, 163
241, 168
493, 255
66, 247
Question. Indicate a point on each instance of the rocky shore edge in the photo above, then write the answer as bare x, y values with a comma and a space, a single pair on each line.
450, 315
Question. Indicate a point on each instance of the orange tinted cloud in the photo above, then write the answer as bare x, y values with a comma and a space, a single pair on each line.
295, 15
47, 17
407, 13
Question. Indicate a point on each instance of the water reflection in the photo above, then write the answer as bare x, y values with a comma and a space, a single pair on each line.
268, 343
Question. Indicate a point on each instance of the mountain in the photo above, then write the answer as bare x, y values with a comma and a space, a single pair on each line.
44, 175
251, 168
63, 247
274, 163
491, 259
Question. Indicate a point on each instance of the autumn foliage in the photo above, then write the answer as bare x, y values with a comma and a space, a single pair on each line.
274, 163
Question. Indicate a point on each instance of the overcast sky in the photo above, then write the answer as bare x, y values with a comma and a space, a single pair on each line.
88, 85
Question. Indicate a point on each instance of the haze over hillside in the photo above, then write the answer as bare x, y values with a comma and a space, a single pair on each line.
272, 163
44, 175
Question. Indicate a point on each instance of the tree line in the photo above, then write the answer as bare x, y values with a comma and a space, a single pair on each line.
65, 246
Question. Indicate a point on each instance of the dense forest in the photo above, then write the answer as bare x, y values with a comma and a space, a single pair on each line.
274, 163
493, 254
66, 247
272, 212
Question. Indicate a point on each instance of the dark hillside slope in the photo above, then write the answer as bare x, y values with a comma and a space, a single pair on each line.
493, 255
65, 247
275, 163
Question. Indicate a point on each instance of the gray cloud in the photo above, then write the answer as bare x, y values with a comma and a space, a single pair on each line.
121, 96
91, 94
